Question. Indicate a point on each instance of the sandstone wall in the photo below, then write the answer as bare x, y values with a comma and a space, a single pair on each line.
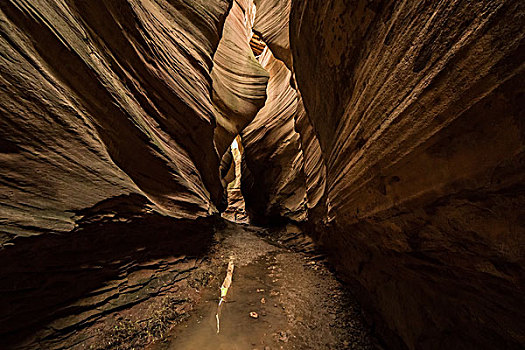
272, 23
274, 187
395, 127
239, 81
96, 96
106, 137
418, 108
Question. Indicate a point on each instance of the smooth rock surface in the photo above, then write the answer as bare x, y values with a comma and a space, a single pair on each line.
418, 107
239, 81
274, 187
106, 156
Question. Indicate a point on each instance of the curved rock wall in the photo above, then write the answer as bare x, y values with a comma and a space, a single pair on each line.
403, 145
236, 210
98, 95
272, 23
239, 81
106, 136
418, 107
313, 163
274, 188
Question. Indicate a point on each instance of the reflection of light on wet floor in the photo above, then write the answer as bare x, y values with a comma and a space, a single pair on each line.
299, 303
238, 329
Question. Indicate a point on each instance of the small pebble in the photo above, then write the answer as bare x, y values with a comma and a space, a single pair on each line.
283, 336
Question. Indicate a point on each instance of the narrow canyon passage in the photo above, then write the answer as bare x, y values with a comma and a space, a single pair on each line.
359, 166
279, 275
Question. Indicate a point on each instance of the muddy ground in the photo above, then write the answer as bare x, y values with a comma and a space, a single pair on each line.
280, 277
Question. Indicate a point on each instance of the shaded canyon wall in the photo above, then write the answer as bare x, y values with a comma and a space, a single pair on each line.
273, 182
393, 129
418, 109
108, 167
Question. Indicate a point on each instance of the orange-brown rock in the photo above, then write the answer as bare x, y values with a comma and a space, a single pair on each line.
418, 107
98, 95
106, 109
274, 187
313, 163
395, 130
235, 210
239, 81
272, 22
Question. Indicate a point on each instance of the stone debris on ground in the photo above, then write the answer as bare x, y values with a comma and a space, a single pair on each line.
305, 309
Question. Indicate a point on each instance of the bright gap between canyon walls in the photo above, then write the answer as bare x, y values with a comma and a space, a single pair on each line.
390, 132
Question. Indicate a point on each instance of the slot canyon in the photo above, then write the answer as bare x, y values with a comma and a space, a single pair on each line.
262, 174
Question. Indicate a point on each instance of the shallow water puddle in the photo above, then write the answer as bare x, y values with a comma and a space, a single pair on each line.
252, 290
298, 303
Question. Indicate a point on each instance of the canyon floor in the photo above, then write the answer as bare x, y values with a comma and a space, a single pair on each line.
281, 277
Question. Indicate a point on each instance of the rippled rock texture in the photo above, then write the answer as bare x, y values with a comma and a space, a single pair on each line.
395, 129
97, 96
272, 23
106, 138
116, 282
273, 184
418, 108
313, 163
239, 80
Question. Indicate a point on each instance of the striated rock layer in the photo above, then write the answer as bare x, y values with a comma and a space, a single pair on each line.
418, 108
313, 164
395, 127
239, 81
98, 95
106, 109
272, 23
274, 184
66, 291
